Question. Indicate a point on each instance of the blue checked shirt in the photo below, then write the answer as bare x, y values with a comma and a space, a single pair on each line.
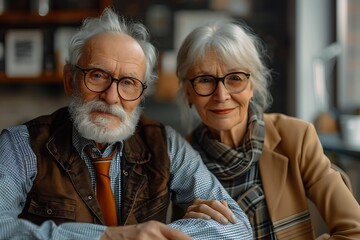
189, 179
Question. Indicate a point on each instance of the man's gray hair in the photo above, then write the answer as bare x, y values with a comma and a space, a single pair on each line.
110, 21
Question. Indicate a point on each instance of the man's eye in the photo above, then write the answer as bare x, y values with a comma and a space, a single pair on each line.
98, 75
127, 81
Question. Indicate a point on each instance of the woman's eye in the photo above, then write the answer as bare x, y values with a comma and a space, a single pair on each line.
234, 77
205, 80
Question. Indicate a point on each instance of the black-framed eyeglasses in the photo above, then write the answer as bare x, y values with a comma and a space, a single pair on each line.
98, 80
234, 82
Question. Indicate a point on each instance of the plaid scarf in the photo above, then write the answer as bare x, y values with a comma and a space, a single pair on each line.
227, 163
238, 171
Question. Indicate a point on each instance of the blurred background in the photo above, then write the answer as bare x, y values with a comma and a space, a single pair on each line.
313, 49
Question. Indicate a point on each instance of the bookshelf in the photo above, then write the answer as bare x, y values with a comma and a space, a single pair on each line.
25, 58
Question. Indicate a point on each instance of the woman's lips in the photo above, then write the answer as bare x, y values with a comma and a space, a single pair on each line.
222, 111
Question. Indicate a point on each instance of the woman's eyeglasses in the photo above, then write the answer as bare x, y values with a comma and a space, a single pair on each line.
234, 82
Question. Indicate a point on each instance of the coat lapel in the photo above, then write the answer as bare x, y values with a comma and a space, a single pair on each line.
273, 167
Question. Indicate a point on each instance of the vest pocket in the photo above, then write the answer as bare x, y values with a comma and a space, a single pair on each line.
154, 209
60, 210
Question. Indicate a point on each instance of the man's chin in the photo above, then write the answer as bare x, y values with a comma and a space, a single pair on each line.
107, 128
103, 126
105, 135
106, 120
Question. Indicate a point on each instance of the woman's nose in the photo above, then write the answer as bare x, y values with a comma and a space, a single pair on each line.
221, 93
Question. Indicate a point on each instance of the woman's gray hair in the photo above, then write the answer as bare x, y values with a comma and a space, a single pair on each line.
236, 44
110, 21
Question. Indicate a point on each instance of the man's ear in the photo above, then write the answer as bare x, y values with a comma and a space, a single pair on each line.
68, 80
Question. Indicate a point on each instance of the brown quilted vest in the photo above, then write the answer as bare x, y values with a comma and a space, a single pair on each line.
62, 190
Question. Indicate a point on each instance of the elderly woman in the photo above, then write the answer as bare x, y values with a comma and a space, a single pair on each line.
269, 163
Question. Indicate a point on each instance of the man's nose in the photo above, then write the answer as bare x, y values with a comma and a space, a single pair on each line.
111, 95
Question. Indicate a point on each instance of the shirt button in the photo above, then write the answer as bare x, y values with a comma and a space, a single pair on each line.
125, 173
89, 197
49, 211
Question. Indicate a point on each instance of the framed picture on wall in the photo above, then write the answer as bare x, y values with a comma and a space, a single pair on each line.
24, 53
62, 37
159, 20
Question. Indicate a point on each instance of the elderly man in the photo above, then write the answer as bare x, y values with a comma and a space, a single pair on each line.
99, 168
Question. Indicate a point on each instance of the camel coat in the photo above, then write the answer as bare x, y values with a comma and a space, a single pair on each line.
293, 167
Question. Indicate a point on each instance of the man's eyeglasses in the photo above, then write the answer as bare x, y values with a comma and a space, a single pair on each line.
97, 80
234, 82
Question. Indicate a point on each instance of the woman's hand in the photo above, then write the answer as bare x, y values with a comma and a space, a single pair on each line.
210, 209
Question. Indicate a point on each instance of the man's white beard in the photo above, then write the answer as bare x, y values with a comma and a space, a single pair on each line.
96, 129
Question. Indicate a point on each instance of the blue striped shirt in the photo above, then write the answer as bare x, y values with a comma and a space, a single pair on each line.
189, 179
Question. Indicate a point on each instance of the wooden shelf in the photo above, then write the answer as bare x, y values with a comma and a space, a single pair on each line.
50, 77
53, 17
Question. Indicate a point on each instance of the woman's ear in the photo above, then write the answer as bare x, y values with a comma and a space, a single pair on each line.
68, 80
187, 95
187, 92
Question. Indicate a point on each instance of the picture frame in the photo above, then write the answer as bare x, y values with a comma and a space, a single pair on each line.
24, 53
159, 20
62, 38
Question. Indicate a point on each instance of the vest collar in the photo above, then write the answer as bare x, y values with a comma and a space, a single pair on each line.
136, 151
